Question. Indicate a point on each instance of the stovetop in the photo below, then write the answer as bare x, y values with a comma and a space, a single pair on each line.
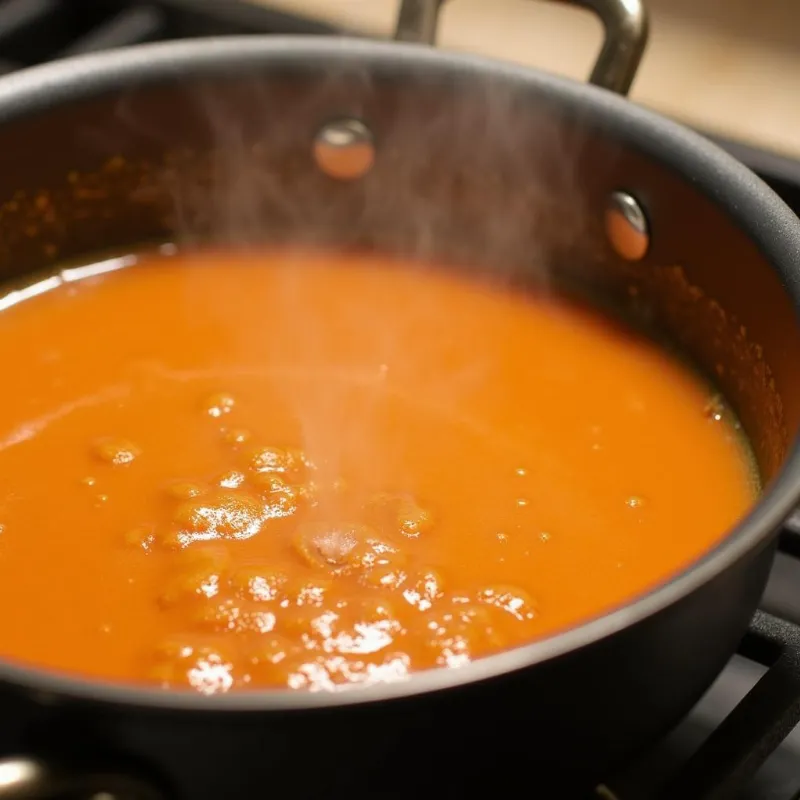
741, 741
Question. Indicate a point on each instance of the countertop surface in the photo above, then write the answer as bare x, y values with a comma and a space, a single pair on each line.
730, 67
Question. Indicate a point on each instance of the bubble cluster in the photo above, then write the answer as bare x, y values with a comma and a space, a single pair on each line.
423, 589
457, 630
197, 576
233, 616
203, 665
289, 462
218, 405
346, 598
510, 599
219, 515
117, 452
351, 606
235, 505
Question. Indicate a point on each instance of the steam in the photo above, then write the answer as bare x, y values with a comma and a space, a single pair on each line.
469, 174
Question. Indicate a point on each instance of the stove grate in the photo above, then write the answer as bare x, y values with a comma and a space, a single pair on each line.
742, 742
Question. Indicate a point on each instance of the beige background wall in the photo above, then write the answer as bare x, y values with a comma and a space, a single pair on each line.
729, 66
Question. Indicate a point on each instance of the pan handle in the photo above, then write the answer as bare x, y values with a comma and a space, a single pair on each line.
624, 22
25, 778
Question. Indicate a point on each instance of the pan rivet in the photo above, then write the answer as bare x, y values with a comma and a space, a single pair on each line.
344, 149
626, 226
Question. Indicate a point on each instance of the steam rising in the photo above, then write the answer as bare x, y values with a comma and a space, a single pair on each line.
471, 173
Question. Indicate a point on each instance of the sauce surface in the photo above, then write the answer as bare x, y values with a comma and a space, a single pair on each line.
233, 471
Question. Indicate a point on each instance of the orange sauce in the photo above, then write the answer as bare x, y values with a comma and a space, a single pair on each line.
234, 471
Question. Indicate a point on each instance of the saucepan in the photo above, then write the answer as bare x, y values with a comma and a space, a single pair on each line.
398, 146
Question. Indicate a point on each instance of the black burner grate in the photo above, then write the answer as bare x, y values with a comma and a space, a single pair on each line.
742, 742
723, 763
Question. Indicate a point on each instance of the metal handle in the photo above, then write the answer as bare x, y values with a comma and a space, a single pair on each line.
624, 23
26, 778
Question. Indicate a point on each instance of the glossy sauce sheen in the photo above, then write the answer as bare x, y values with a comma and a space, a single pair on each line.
229, 471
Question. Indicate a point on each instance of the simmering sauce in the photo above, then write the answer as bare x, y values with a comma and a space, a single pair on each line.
236, 471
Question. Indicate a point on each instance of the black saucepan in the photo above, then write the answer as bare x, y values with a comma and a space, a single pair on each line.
402, 148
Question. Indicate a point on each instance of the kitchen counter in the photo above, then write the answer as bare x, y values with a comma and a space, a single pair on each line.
730, 67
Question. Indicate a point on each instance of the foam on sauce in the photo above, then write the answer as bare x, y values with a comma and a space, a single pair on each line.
232, 471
